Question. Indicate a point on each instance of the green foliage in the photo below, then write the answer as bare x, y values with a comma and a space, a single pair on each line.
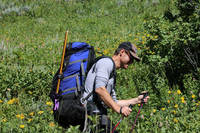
192, 84
167, 36
175, 45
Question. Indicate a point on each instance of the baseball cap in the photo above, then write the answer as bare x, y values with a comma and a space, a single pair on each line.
131, 48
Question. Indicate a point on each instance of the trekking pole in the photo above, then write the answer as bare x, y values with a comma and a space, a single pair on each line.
144, 96
62, 60
130, 106
56, 106
56, 101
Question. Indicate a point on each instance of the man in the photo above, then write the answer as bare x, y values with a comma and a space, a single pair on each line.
100, 79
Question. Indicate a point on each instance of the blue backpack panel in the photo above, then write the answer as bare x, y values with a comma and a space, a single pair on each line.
78, 59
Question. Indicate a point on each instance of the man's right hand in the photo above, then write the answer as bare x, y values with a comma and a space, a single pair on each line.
125, 111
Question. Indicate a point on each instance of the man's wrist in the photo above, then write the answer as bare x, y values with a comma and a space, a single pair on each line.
138, 100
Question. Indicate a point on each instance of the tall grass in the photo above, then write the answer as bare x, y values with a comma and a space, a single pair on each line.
31, 39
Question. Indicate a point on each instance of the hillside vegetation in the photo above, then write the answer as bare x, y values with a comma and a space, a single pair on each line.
166, 33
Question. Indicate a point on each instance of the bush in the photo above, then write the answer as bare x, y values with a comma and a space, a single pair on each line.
173, 46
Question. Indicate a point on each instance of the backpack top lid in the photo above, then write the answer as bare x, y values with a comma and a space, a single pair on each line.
75, 47
80, 45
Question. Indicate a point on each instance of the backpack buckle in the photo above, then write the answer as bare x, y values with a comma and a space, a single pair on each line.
83, 101
60, 76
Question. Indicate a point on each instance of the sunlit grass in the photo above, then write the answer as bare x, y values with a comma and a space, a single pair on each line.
31, 45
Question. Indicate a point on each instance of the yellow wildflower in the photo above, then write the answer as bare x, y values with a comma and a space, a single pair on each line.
30, 92
29, 120
21, 116
176, 105
18, 115
51, 112
154, 110
175, 120
51, 124
169, 92
156, 37
40, 112
182, 98
193, 96
21, 126
105, 51
174, 111
148, 35
14, 100
4, 120
1, 101
11, 101
178, 92
168, 101
31, 114
163, 109
49, 103
183, 101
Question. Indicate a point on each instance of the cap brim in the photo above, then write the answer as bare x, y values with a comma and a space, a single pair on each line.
135, 56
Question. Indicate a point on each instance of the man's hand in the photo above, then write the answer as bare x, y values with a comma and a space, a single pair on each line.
141, 97
125, 111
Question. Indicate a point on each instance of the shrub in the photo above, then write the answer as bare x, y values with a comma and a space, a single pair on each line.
174, 45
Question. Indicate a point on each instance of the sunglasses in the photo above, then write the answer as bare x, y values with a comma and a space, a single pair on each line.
130, 57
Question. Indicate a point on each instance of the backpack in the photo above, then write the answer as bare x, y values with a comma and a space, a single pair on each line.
68, 103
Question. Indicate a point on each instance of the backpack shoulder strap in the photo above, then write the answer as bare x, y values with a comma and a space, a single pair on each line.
112, 75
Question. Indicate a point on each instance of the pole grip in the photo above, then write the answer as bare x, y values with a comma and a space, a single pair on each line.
145, 94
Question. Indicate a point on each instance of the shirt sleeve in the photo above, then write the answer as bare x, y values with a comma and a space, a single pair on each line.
103, 70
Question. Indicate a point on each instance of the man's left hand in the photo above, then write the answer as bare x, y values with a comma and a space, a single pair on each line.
140, 97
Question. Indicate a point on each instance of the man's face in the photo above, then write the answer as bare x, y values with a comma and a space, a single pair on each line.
125, 59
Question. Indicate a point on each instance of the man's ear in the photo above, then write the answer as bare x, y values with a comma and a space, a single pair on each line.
121, 52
